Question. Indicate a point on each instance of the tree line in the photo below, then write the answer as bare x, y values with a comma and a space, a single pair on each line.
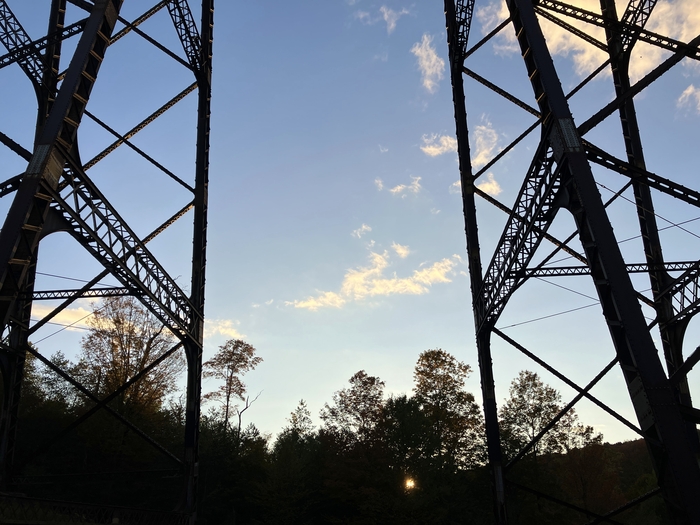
413, 458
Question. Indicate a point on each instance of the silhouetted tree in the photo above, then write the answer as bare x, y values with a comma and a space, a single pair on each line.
300, 420
355, 410
123, 339
530, 408
456, 418
233, 359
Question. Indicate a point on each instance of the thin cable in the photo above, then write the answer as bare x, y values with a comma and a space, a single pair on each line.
548, 316
665, 228
67, 278
65, 327
655, 214
673, 225
567, 289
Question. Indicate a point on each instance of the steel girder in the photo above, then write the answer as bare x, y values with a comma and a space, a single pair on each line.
560, 177
56, 194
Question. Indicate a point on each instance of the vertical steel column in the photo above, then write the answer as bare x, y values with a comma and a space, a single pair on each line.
457, 47
672, 333
652, 395
194, 351
52, 59
18, 340
55, 185
19, 238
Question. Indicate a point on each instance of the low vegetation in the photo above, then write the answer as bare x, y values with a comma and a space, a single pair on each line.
415, 458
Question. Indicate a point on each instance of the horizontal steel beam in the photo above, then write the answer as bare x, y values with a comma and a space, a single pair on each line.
31, 50
95, 280
652, 180
562, 271
632, 31
96, 225
112, 291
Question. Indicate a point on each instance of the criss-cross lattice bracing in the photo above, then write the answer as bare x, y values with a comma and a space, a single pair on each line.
560, 178
55, 194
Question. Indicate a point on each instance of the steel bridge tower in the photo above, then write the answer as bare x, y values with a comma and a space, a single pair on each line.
560, 179
58, 193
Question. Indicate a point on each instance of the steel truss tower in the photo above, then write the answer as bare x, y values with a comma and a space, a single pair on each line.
55, 193
560, 178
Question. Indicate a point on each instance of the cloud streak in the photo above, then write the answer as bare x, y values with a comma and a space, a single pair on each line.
490, 185
369, 281
391, 17
72, 318
435, 145
679, 19
690, 98
485, 144
401, 250
361, 231
224, 327
325, 300
431, 66
386, 14
403, 189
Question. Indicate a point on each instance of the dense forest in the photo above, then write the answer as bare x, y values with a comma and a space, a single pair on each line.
415, 458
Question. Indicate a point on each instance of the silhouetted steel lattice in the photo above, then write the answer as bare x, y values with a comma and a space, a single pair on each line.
560, 177
55, 194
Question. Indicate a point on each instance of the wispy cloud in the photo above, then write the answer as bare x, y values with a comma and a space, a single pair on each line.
224, 327
434, 145
361, 231
690, 98
364, 17
679, 18
403, 189
379, 184
431, 66
391, 17
385, 14
370, 281
73, 318
485, 143
490, 185
401, 250
325, 300
490, 15
382, 149
266, 303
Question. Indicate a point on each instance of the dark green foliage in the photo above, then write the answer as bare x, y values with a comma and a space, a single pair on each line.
353, 470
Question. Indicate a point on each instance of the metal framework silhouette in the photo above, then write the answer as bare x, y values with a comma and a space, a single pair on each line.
560, 179
55, 193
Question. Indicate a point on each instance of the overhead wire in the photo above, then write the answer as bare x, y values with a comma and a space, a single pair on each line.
671, 225
677, 225
548, 316
564, 311
68, 278
66, 326
74, 323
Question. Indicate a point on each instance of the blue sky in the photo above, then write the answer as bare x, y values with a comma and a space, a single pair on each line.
336, 236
